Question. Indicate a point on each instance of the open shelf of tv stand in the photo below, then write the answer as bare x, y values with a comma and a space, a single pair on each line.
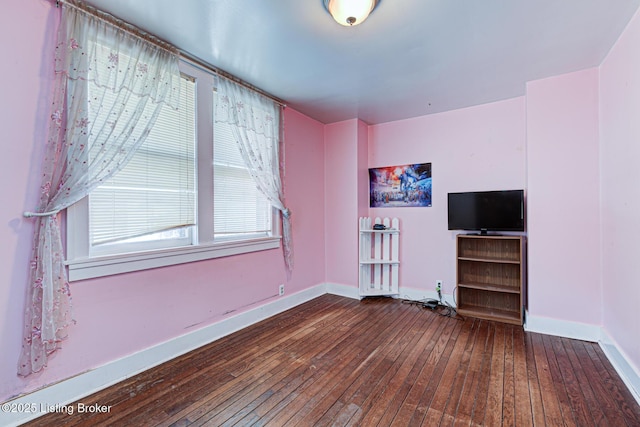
491, 277
495, 314
489, 287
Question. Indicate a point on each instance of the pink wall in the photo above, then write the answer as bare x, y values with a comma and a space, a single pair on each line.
123, 314
345, 178
563, 198
304, 185
477, 148
363, 169
620, 207
26, 31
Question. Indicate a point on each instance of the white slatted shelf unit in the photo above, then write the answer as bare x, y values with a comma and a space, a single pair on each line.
379, 257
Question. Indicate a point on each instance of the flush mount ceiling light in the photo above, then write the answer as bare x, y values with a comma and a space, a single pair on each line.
350, 12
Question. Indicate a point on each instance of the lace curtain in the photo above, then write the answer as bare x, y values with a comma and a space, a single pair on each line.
256, 128
95, 59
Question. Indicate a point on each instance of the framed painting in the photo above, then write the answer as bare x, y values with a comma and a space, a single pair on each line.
400, 186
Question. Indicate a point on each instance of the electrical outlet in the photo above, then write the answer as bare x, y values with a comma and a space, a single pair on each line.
438, 284
281, 290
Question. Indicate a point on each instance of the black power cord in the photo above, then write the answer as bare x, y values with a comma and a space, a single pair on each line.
443, 309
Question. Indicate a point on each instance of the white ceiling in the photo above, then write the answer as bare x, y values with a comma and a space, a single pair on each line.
409, 58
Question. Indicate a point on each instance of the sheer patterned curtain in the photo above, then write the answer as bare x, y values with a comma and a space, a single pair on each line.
255, 121
87, 144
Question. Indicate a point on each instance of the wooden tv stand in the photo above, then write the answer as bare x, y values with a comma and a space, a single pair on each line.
491, 277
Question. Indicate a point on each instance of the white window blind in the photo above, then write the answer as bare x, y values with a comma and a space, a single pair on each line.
240, 209
150, 204
156, 191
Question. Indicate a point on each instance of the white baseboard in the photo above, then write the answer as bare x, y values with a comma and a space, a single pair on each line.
70, 390
628, 373
562, 328
404, 293
580, 331
342, 290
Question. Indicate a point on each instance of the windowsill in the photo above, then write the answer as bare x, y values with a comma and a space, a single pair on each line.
88, 268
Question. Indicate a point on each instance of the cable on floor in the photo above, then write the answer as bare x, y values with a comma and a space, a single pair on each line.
443, 309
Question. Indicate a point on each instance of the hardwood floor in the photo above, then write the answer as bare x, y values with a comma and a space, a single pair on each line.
378, 362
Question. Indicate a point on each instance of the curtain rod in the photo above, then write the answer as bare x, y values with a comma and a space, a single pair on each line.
210, 68
120, 24
137, 32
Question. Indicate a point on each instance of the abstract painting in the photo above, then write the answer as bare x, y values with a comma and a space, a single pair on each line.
400, 186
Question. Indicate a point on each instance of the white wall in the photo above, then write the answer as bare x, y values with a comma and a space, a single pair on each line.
620, 208
563, 198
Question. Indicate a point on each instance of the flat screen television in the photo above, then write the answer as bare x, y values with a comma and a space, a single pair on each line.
487, 211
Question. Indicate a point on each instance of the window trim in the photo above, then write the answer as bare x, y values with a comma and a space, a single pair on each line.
82, 266
88, 268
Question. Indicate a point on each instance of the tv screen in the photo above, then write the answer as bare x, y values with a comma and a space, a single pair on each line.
487, 211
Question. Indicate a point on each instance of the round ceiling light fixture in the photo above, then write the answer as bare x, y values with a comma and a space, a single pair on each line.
350, 12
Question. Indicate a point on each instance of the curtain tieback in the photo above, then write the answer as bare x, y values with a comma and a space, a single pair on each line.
34, 214
286, 213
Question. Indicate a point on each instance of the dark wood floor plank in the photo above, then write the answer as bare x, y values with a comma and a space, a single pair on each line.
509, 387
461, 373
411, 377
305, 354
484, 379
552, 410
242, 398
243, 367
616, 389
367, 374
192, 385
313, 388
405, 367
377, 362
366, 352
582, 381
628, 404
605, 400
471, 381
291, 382
495, 394
573, 391
450, 384
398, 353
414, 376
431, 404
568, 415
522, 388
533, 382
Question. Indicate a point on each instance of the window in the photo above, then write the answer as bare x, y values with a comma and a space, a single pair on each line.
185, 195
240, 210
151, 202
